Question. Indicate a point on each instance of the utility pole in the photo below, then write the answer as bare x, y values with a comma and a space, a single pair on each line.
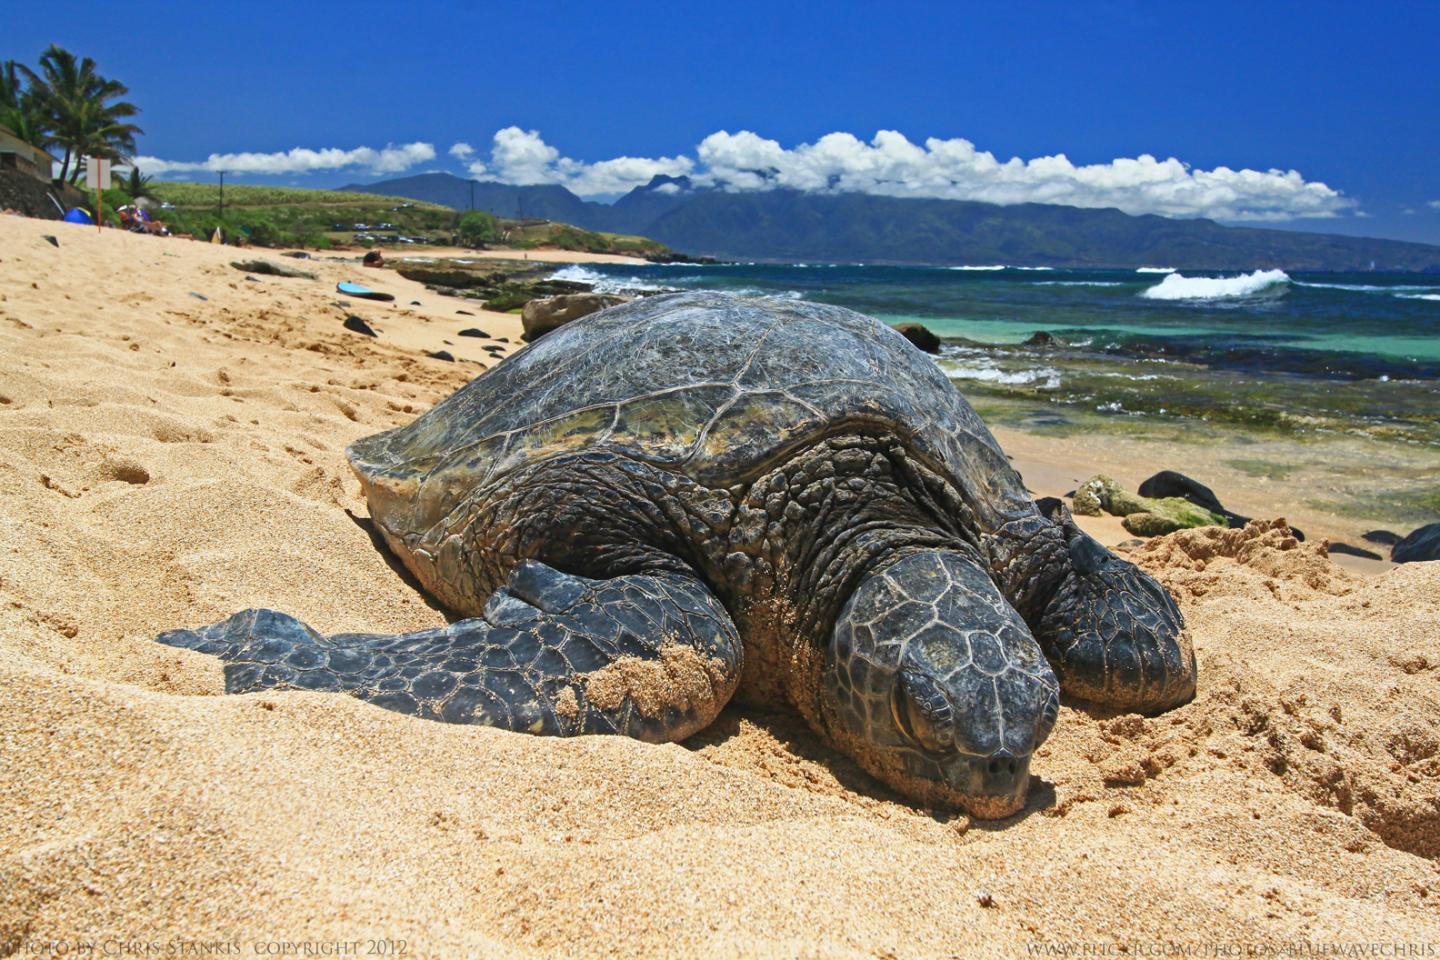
222, 194
472, 194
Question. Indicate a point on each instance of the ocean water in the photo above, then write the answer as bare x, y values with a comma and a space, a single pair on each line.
1297, 354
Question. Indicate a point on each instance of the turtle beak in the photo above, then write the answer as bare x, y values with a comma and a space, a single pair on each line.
991, 787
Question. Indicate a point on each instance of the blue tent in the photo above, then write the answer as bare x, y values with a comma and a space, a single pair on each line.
76, 215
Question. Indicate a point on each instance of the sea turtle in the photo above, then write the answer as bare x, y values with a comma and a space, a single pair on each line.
688, 494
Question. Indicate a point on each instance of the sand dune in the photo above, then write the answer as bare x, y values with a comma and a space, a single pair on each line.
167, 460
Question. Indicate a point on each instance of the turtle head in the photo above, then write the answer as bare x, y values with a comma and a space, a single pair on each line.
936, 686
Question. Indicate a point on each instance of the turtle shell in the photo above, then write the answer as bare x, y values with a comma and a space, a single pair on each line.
714, 386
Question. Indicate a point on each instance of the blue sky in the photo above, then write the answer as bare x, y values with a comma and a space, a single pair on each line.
1347, 95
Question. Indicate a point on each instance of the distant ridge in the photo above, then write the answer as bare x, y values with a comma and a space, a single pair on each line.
790, 225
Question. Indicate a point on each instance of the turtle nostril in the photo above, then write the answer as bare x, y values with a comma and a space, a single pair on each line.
994, 766
1013, 766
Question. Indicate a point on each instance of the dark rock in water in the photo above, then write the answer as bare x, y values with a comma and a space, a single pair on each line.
1383, 537
48, 238
1041, 338
1348, 550
354, 323
474, 332
270, 269
1421, 544
297, 254
442, 355
920, 335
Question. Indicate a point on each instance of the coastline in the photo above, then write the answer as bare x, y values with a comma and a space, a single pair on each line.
169, 460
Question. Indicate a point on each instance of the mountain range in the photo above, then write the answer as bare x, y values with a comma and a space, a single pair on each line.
789, 225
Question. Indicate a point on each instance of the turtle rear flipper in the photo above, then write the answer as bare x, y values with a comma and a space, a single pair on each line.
650, 656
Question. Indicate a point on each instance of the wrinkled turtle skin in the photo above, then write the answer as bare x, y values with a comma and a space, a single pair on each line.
691, 495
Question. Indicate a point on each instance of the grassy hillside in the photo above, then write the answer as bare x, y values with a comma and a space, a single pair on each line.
291, 216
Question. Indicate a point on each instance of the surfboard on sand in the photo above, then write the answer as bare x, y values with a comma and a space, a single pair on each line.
363, 292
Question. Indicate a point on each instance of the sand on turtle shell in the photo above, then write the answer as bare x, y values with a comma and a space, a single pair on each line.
167, 461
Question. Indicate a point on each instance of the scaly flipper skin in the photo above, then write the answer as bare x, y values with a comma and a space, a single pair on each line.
1112, 633
651, 656
938, 686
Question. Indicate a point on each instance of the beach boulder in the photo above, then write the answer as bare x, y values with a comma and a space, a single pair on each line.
1170, 483
541, 316
1143, 516
1421, 544
920, 335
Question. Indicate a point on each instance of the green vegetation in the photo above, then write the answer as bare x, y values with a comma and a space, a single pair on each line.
291, 216
477, 228
247, 195
67, 105
533, 234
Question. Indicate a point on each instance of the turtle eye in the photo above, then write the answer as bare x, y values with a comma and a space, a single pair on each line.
923, 712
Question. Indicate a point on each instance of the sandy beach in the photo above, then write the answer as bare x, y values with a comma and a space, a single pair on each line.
171, 437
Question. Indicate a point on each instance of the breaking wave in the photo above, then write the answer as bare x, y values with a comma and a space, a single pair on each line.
601, 283
1177, 286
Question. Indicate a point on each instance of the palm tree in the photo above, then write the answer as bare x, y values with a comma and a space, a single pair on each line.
21, 106
77, 103
137, 184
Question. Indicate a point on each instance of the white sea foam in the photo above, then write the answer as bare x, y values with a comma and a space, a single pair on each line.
1076, 283
996, 267
1399, 289
1177, 286
992, 374
1154, 269
1420, 296
601, 283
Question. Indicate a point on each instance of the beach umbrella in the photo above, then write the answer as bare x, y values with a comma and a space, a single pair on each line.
76, 215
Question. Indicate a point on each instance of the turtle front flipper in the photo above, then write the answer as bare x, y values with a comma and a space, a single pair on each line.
1110, 630
651, 656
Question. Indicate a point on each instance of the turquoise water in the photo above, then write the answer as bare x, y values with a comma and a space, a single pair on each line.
1303, 352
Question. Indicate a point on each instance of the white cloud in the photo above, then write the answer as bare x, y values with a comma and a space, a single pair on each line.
391, 158
1435, 204
521, 157
891, 165
888, 164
